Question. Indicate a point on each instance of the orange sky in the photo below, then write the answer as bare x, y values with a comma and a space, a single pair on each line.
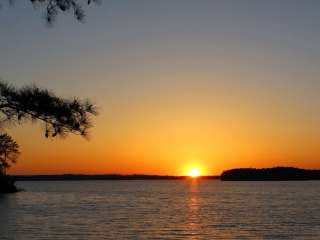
212, 85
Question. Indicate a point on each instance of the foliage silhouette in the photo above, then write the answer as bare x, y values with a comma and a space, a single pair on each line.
54, 7
60, 116
8, 152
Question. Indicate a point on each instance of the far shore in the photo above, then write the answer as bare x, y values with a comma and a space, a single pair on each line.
240, 174
78, 177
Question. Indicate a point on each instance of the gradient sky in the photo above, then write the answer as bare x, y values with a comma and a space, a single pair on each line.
179, 84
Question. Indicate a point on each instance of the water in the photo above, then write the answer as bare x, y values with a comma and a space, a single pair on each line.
184, 209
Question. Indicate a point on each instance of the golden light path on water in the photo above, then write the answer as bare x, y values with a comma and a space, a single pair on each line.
193, 206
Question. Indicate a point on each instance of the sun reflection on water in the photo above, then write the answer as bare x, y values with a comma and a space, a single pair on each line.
193, 225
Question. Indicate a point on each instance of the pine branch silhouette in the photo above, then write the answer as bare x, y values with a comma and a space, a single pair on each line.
60, 116
54, 7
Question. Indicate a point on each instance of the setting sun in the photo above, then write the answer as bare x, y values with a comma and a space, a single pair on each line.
194, 172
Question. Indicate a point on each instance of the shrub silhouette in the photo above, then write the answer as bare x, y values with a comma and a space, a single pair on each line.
8, 152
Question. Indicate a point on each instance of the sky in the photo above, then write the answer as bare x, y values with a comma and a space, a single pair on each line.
185, 84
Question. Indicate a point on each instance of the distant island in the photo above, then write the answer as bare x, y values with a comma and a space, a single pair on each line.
270, 174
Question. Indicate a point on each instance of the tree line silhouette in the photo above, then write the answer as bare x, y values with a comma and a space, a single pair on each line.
270, 174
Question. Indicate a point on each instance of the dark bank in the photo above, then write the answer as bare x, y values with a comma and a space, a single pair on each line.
270, 174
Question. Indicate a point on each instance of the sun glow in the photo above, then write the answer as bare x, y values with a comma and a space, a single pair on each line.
194, 173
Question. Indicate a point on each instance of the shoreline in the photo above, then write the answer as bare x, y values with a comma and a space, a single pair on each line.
110, 177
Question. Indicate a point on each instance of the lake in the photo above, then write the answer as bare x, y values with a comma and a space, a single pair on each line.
161, 209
